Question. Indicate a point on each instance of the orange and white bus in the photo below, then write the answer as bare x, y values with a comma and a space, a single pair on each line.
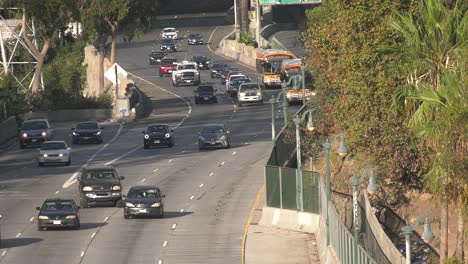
268, 65
289, 70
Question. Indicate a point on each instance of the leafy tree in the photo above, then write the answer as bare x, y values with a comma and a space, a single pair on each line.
48, 16
431, 54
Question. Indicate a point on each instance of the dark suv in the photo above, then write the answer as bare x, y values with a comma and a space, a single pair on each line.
203, 62
205, 94
100, 184
87, 132
35, 131
168, 45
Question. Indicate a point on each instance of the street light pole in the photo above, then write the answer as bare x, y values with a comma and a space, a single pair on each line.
273, 125
303, 84
299, 185
258, 22
342, 151
408, 229
355, 181
285, 103
236, 21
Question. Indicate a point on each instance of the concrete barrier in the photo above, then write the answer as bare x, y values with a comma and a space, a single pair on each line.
8, 129
290, 219
71, 115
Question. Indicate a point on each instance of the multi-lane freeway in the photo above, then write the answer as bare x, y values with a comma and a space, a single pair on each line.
208, 193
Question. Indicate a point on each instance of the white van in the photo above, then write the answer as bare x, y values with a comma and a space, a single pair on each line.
249, 93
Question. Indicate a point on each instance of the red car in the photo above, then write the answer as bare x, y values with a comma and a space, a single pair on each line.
167, 66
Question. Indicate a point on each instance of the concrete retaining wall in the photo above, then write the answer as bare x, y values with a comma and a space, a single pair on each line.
290, 219
238, 51
8, 129
71, 115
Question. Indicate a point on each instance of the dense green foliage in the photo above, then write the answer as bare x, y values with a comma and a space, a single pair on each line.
354, 92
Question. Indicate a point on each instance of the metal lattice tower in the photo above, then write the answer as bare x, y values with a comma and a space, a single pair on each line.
11, 44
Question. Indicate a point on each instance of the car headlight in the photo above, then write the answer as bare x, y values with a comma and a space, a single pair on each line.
146, 136
61, 155
207, 62
98, 133
25, 135
70, 217
167, 135
127, 204
242, 94
222, 138
75, 134
116, 188
156, 204
259, 93
87, 188
45, 155
43, 217
44, 134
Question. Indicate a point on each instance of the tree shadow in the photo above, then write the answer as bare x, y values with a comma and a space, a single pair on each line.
19, 242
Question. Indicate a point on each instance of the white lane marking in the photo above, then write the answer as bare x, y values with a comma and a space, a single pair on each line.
18, 235
183, 151
201, 185
57, 192
234, 153
165, 243
31, 219
72, 179
160, 261
173, 226
222, 163
178, 96
246, 143
123, 155
181, 210
211, 174
155, 170
170, 160
4, 253
93, 234
144, 179
105, 219
82, 254
191, 197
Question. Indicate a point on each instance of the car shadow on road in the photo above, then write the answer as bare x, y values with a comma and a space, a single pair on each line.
19, 242
169, 215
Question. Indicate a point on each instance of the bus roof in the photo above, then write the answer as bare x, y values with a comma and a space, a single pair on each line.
291, 63
261, 53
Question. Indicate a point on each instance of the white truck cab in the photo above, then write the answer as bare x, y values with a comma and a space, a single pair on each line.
186, 73
249, 93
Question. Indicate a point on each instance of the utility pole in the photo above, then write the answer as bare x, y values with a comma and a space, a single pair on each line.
244, 16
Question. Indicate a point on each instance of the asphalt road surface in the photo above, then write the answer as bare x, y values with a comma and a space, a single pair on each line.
208, 193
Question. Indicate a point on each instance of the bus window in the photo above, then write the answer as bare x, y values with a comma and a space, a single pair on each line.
272, 67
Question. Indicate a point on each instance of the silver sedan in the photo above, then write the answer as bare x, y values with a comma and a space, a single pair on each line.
54, 152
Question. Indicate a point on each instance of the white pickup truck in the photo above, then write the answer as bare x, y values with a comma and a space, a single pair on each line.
186, 73
249, 93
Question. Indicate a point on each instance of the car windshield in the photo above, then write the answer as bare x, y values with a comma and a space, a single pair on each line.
33, 125
240, 81
187, 67
168, 61
157, 54
219, 65
87, 126
252, 86
234, 77
169, 30
162, 129
212, 130
99, 175
194, 36
199, 58
143, 193
57, 206
167, 41
205, 89
53, 145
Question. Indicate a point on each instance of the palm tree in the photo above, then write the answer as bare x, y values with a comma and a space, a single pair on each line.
432, 55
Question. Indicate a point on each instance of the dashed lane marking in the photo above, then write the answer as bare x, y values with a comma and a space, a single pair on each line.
31, 219
201, 185
57, 192
4, 253
191, 197
72, 179
92, 236
211, 174
170, 160
155, 170
222, 163
181, 210
143, 180
160, 261
82, 254
234, 153
105, 219
173, 226
18, 235
165, 243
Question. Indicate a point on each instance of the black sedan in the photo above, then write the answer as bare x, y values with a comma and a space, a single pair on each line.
168, 45
87, 132
57, 212
144, 201
205, 94
216, 69
155, 57
158, 135
214, 136
203, 62
195, 39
